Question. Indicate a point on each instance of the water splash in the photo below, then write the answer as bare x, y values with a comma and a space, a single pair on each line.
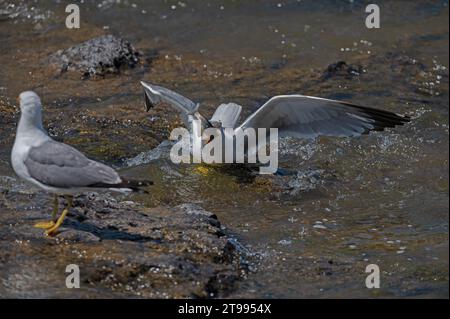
162, 151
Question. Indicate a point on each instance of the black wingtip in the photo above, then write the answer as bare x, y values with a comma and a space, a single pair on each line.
134, 185
148, 103
382, 119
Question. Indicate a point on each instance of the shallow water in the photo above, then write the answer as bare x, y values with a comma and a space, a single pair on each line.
346, 203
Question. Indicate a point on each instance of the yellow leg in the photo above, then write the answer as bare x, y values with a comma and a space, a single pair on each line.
51, 223
52, 231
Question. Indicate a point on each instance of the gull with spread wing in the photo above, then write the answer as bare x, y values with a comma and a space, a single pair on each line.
298, 116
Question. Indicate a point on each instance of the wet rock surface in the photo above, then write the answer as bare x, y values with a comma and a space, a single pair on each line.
121, 248
97, 57
342, 69
381, 198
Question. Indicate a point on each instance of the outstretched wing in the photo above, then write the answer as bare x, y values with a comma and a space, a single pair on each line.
227, 114
157, 94
60, 165
308, 117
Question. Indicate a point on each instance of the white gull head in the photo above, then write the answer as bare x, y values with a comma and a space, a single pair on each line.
31, 108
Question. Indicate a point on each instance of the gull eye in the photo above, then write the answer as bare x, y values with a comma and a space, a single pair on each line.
210, 139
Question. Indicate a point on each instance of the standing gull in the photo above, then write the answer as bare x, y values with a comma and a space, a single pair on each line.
298, 116
56, 167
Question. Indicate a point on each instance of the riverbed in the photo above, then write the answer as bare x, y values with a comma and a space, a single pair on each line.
343, 204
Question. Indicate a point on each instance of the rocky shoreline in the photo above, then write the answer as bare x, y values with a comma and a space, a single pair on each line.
120, 246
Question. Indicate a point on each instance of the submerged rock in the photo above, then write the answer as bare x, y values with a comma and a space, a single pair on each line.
98, 56
122, 248
342, 69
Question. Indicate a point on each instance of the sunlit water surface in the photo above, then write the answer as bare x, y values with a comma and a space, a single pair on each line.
343, 203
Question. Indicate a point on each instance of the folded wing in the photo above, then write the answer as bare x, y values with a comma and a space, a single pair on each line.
60, 165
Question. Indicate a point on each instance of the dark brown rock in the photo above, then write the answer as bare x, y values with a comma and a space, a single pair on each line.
342, 69
98, 56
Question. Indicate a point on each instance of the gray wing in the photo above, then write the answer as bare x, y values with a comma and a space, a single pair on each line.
227, 114
156, 94
308, 117
60, 165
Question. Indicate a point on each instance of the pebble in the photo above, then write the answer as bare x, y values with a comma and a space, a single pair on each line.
285, 242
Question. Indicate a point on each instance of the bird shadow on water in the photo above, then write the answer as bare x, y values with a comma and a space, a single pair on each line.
106, 233
245, 173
